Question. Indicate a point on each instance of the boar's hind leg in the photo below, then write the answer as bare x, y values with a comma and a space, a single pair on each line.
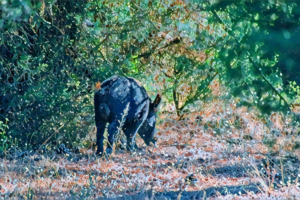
100, 136
130, 132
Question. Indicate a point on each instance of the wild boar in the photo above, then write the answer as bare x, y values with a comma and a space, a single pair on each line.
110, 102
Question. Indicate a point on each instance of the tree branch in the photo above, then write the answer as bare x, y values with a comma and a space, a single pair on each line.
271, 86
196, 95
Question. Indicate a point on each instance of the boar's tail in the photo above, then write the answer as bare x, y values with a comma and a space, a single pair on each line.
104, 110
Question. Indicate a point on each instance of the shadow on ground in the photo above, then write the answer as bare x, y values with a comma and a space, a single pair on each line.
209, 192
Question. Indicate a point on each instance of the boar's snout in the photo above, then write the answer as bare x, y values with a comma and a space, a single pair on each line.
147, 131
154, 141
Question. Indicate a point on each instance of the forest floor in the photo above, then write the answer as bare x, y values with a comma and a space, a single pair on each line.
224, 156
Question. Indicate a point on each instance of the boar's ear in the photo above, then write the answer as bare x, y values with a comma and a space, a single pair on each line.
156, 102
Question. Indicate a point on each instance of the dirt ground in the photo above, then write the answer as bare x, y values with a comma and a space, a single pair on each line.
222, 156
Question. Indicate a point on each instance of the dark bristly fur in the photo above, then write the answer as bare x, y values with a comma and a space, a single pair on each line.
110, 103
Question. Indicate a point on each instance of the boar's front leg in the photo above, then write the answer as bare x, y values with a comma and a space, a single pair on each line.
130, 132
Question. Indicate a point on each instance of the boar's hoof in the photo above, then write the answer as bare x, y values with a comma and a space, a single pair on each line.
108, 151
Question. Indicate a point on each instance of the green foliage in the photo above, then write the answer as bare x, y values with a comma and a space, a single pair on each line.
4, 139
259, 52
51, 57
14, 11
45, 89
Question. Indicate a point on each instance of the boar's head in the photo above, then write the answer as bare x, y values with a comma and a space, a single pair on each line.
147, 130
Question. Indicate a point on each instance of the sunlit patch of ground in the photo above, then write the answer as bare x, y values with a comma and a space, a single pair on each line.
194, 157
